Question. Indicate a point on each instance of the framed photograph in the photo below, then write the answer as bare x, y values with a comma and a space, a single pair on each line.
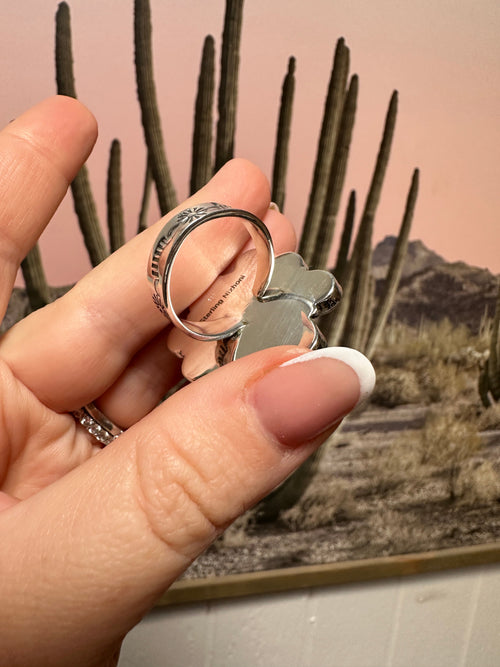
377, 140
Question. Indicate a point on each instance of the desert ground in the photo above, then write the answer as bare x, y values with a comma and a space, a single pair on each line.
417, 469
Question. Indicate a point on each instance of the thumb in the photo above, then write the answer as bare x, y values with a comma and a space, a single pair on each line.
103, 543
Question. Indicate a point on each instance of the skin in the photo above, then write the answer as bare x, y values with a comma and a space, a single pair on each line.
91, 537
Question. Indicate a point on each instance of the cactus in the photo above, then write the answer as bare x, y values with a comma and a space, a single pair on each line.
353, 322
357, 287
283, 137
358, 276
489, 377
370, 303
337, 176
146, 195
201, 164
37, 287
64, 52
326, 145
345, 241
381, 164
116, 225
228, 87
340, 271
333, 323
484, 386
386, 299
494, 358
290, 492
146, 92
83, 199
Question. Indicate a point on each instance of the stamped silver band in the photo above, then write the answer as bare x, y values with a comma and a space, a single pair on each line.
97, 424
167, 247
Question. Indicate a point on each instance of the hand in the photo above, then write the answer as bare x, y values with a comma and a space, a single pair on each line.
91, 537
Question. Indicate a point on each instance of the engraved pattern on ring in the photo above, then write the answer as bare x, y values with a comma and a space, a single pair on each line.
186, 217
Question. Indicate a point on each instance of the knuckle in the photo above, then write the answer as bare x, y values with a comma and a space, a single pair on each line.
184, 504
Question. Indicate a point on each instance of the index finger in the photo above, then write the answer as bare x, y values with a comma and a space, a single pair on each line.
87, 338
40, 154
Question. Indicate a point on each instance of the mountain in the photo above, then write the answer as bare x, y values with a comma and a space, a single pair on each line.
433, 289
418, 258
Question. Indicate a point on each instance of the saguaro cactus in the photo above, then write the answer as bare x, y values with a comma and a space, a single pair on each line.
345, 241
489, 378
494, 358
116, 225
146, 92
386, 299
283, 137
336, 178
201, 163
83, 199
146, 196
228, 87
358, 287
35, 281
351, 320
326, 145
64, 52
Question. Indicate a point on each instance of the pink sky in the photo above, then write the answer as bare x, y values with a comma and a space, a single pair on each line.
443, 57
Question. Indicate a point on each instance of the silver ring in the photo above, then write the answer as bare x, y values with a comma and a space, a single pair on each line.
97, 424
167, 247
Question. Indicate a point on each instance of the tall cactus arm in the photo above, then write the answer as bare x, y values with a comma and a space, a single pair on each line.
64, 52
494, 360
228, 87
345, 240
373, 197
359, 290
37, 287
370, 304
484, 386
283, 136
326, 145
146, 196
338, 328
201, 163
361, 256
83, 198
386, 299
331, 322
146, 92
337, 177
291, 491
116, 225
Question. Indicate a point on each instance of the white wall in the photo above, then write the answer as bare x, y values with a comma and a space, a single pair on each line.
447, 619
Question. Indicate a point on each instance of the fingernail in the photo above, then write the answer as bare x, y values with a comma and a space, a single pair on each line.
273, 206
309, 394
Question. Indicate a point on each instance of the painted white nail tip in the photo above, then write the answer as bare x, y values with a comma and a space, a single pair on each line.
353, 358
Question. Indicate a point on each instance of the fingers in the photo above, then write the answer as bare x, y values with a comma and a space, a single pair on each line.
40, 154
154, 370
87, 338
143, 384
101, 544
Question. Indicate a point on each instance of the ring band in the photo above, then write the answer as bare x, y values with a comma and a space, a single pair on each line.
168, 245
97, 424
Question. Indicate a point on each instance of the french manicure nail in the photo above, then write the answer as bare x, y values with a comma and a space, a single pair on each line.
311, 393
